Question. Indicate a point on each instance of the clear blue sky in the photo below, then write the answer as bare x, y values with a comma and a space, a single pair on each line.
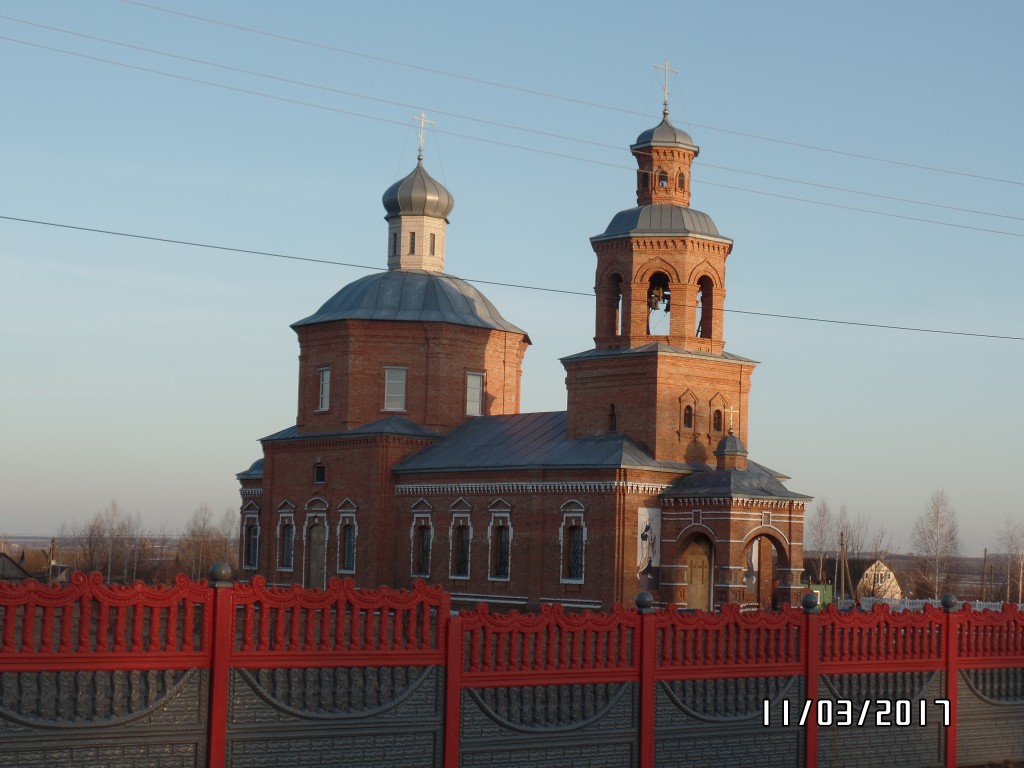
146, 372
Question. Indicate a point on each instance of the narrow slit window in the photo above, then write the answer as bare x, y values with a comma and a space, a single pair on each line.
421, 546
474, 394
502, 551
717, 421
324, 392
460, 542
347, 542
575, 553
688, 417
412, 242
433, 243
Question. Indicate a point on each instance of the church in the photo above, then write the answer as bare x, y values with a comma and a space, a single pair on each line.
410, 459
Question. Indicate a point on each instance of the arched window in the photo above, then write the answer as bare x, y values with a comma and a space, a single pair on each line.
500, 534
705, 306
616, 299
659, 319
573, 539
682, 181
641, 180
717, 421
688, 417
663, 179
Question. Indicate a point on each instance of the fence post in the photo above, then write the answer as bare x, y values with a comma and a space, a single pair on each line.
220, 662
453, 691
952, 649
811, 649
648, 650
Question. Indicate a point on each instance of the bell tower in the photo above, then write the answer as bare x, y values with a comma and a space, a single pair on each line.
659, 372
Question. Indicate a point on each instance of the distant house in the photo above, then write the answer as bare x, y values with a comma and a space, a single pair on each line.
42, 565
870, 577
10, 570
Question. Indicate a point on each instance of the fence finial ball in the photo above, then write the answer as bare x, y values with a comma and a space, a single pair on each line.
220, 572
948, 601
644, 602
809, 602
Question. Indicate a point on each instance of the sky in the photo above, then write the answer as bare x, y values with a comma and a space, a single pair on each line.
865, 159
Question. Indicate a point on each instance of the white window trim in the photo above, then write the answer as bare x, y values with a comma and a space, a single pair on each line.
570, 519
498, 520
323, 397
405, 388
347, 518
459, 520
419, 519
483, 390
283, 519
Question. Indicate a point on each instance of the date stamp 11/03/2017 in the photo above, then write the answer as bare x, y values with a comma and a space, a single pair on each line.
871, 712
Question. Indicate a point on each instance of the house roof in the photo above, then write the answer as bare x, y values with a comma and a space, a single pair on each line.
10, 570
531, 441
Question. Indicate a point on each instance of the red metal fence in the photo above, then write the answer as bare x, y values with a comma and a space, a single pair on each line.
221, 626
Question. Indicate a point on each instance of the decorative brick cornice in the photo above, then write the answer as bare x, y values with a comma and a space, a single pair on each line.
566, 486
735, 501
248, 493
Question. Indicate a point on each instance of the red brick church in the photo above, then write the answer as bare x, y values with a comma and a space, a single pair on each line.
410, 459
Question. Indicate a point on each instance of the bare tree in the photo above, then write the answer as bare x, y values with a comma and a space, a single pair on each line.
113, 542
1011, 537
819, 537
204, 541
936, 542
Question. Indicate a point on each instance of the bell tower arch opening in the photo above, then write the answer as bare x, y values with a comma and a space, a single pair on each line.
659, 307
705, 307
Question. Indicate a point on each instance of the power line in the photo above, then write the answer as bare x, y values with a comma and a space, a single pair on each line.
290, 257
469, 137
494, 123
559, 97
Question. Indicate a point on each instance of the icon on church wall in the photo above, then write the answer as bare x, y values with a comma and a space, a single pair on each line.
648, 547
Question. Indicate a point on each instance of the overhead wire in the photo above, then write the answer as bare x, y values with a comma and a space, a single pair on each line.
470, 118
560, 97
510, 145
291, 257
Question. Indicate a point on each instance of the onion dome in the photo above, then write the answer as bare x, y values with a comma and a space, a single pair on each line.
418, 194
664, 134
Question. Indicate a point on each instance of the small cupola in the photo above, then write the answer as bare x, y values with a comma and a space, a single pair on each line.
730, 452
417, 215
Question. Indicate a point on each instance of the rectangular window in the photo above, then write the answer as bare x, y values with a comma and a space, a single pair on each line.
460, 543
319, 474
421, 550
412, 242
474, 394
347, 542
286, 559
394, 243
502, 547
433, 243
251, 553
324, 399
573, 539
394, 389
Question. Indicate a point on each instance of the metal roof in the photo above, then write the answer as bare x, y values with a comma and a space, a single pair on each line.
755, 482
254, 472
531, 441
658, 348
418, 194
660, 219
414, 295
389, 425
664, 134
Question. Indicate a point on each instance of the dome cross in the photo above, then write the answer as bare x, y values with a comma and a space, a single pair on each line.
664, 65
421, 118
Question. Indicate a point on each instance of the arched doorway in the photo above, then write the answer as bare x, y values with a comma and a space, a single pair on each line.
764, 556
698, 557
316, 558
